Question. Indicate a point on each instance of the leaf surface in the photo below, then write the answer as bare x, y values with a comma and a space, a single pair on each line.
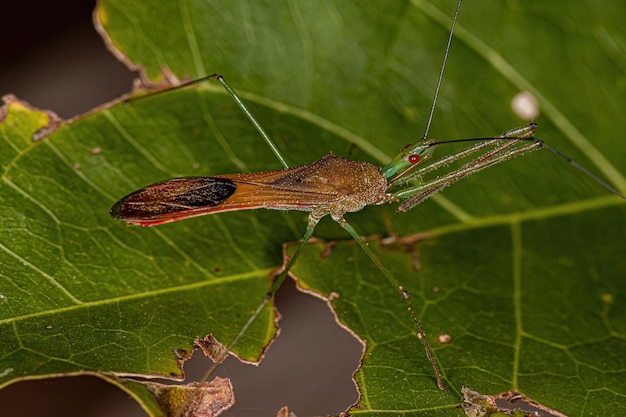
525, 258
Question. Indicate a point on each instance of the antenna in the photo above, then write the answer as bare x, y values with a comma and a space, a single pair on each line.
443, 67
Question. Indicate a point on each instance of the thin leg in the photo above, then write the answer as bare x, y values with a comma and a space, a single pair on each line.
507, 139
239, 102
421, 334
424, 191
270, 294
256, 124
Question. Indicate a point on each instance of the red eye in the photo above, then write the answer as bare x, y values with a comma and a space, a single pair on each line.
414, 159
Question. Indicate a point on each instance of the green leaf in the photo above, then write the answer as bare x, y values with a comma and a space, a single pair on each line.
526, 257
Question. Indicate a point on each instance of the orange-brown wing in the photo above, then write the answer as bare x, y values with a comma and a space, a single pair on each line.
300, 188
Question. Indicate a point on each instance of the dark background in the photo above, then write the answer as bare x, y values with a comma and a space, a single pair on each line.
53, 58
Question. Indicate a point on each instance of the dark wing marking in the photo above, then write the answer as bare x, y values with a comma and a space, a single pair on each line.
173, 196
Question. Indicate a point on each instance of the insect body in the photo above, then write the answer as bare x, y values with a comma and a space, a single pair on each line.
331, 186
